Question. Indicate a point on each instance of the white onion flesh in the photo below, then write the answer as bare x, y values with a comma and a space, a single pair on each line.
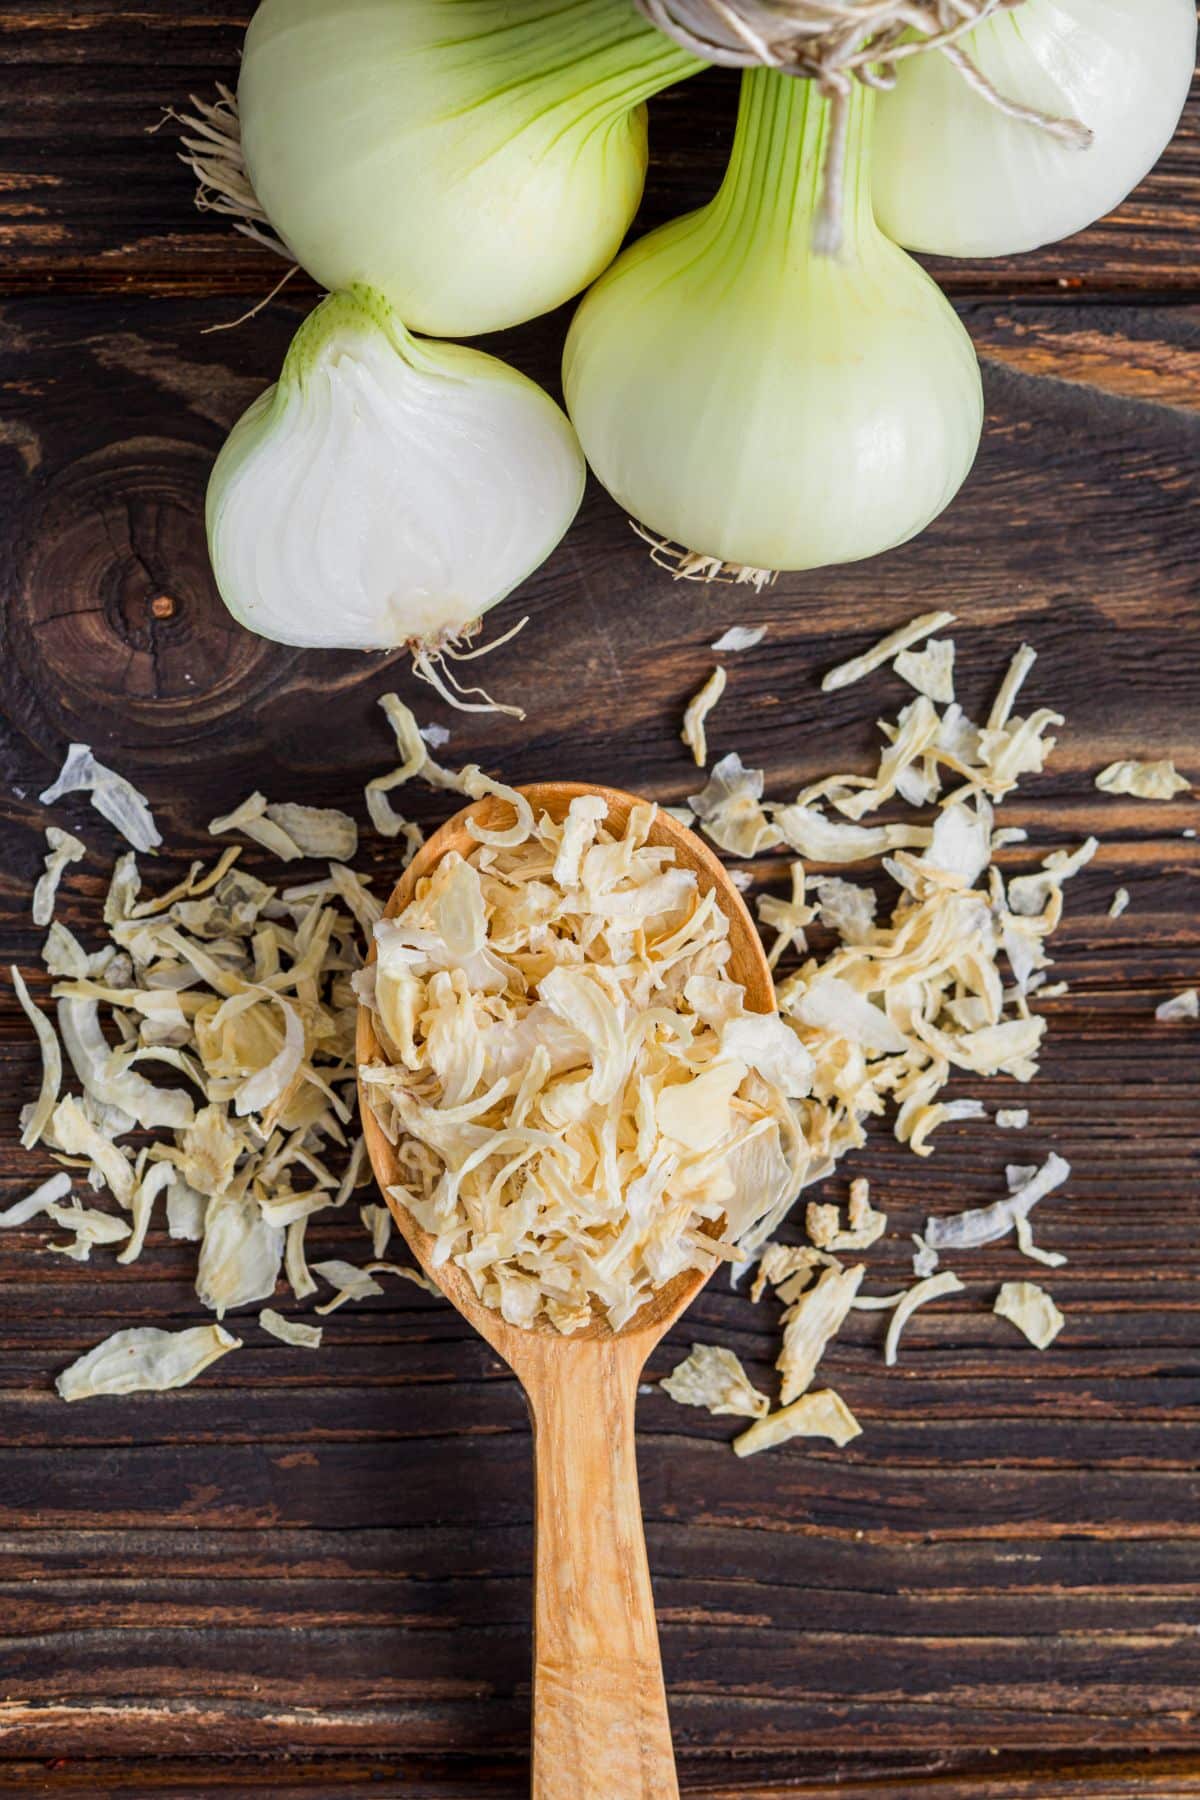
760, 404
956, 177
478, 161
387, 490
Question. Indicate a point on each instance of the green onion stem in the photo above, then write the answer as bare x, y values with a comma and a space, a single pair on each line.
790, 139
592, 62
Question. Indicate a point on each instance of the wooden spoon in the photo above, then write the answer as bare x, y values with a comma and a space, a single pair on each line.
600, 1726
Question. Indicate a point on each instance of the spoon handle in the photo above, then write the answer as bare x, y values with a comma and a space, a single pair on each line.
600, 1726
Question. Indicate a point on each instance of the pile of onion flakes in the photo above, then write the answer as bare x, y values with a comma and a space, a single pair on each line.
581, 1104
944, 983
239, 995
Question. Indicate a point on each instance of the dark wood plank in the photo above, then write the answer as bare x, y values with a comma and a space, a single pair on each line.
759, 1777
87, 201
327, 1557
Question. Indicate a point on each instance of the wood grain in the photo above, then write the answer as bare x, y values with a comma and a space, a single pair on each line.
600, 1722
308, 1574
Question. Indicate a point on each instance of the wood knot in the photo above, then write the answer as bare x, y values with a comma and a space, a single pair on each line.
115, 612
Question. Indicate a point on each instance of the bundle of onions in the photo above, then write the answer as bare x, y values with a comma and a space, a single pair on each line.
986, 104
769, 383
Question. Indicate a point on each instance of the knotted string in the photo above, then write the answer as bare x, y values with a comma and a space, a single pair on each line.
838, 42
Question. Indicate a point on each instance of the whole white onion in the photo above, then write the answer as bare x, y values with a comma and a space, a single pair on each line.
955, 176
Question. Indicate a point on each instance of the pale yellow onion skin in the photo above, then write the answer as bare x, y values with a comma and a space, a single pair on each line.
477, 183
955, 177
753, 402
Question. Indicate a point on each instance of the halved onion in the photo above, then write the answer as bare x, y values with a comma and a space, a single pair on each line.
388, 490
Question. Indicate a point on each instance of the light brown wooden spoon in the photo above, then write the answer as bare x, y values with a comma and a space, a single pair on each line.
600, 1725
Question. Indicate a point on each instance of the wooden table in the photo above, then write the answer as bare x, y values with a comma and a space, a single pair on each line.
309, 1575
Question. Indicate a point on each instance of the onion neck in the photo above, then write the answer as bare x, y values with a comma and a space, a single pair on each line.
773, 192
356, 312
590, 62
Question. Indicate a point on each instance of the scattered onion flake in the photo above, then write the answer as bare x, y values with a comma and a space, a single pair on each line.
145, 1360
1030, 1308
155, 1181
73, 1132
820, 1415
240, 1255
416, 1276
893, 645
1050, 1259
780, 1262
114, 798
809, 832
251, 819
108, 1077
1041, 892
932, 1288
52, 1067
319, 831
930, 670
698, 709
925, 1260
1179, 1009
812, 1323
270, 1082
290, 831
713, 1377
290, 1331
377, 1221
878, 1302
416, 763
47, 1194
730, 809
987, 1224
866, 1226
739, 637
350, 1282
788, 919
1119, 904
845, 908
1143, 780
88, 1227
64, 850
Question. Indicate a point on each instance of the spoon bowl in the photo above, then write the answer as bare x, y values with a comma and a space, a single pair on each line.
600, 1729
